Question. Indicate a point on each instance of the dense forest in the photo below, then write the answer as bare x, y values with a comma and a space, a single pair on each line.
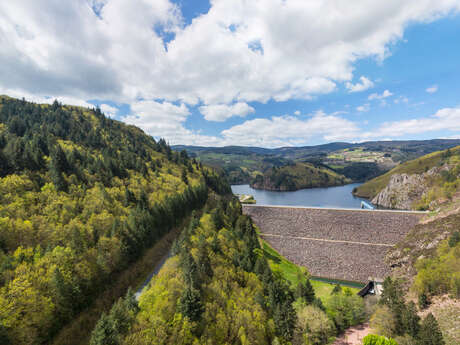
216, 289
81, 197
298, 176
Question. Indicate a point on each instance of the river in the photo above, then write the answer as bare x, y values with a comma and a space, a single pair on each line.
333, 197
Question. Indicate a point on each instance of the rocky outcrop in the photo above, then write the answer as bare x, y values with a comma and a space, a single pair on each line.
401, 191
404, 190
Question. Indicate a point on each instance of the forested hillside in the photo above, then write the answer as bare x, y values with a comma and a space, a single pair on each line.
81, 197
216, 289
422, 183
298, 176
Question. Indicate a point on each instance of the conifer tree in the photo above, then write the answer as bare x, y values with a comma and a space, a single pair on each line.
104, 332
190, 304
430, 334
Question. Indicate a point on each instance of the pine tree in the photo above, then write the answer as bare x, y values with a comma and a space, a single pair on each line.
309, 292
190, 304
430, 334
411, 320
104, 332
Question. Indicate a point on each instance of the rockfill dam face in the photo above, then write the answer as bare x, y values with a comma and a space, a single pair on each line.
340, 244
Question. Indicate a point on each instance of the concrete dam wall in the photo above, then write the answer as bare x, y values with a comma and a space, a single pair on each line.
334, 243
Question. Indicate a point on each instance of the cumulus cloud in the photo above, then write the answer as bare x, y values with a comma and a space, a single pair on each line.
222, 112
239, 52
166, 120
444, 119
432, 89
363, 85
364, 107
381, 96
289, 130
99, 48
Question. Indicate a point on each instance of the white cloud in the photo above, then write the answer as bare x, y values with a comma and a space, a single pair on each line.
222, 112
109, 110
289, 130
305, 47
364, 107
381, 96
432, 89
166, 120
297, 112
444, 119
365, 84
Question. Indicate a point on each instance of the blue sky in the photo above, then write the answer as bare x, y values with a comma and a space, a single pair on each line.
233, 72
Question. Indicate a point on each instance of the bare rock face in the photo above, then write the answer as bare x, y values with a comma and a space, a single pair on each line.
401, 191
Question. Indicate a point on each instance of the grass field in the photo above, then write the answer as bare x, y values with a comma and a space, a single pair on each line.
292, 272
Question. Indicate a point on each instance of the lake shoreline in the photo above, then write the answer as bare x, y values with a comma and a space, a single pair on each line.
329, 197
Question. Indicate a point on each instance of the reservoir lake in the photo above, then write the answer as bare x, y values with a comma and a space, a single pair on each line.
332, 197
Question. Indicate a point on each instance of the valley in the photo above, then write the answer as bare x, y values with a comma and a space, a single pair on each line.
84, 224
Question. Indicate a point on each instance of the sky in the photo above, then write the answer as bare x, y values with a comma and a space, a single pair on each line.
266, 73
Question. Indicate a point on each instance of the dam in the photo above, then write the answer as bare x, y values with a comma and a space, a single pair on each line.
343, 244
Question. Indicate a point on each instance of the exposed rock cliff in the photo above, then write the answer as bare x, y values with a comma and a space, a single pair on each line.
401, 191
404, 190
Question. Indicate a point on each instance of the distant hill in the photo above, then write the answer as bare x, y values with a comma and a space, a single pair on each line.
297, 176
356, 161
416, 183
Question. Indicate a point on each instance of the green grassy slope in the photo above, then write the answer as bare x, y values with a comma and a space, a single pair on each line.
417, 166
292, 273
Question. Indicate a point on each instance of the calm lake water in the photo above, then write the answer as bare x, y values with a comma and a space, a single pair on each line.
336, 197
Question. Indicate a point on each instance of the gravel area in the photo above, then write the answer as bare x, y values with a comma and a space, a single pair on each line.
294, 233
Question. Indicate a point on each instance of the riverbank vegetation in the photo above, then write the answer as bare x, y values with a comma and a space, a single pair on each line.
81, 198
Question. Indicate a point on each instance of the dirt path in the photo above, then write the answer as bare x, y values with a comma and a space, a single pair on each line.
353, 335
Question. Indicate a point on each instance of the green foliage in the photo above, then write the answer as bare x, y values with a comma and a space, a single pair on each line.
396, 318
372, 339
417, 166
111, 328
440, 274
305, 291
216, 289
454, 239
345, 310
336, 290
298, 176
190, 304
313, 326
81, 197
383, 321
430, 334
